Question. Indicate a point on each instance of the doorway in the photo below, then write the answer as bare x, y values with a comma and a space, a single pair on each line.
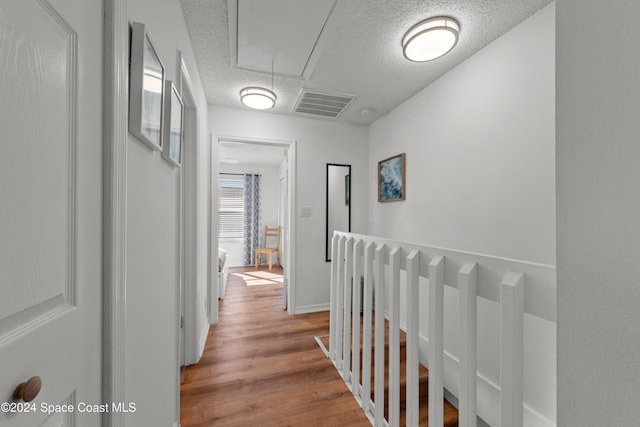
228, 154
192, 319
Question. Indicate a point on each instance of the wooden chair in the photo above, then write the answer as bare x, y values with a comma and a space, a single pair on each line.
267, 251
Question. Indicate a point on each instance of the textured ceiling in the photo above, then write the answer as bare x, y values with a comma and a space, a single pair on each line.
358, 53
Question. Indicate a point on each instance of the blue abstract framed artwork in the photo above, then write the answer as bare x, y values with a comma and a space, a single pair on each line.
391, 179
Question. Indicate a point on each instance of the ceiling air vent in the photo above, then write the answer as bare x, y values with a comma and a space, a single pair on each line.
322, 103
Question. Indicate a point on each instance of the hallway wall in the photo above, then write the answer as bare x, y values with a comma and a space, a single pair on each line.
153, 194
480, 175
318, 142
598, 213
480, 145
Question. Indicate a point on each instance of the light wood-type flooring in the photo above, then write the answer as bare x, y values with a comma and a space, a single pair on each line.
262, 366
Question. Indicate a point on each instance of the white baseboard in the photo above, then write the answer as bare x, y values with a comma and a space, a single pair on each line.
313, 308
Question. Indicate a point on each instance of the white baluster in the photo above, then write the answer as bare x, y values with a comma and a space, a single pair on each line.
511, 349
394, 339
348, 272
340, 304
436, 341
468, 290
381, 254
367, 321
413, 317
357, 301
334, 297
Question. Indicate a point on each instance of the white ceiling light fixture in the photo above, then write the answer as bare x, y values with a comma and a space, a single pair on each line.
430, 39
258, 98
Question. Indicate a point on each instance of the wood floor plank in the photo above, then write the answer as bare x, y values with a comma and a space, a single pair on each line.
262, 367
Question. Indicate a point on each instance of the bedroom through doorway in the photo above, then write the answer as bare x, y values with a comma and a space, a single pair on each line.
254, 204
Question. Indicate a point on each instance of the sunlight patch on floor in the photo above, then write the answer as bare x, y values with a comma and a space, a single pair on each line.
265, 275
242, 276
259, 278
260, 282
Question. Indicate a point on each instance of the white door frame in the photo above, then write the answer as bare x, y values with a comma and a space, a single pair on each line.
116, 96
189, 336
189, 190
283, 201
290, 253
214, 283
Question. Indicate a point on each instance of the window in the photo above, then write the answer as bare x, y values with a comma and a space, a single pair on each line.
231, 208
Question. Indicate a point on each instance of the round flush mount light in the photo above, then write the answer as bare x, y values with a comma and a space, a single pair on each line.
258, 98
430, 39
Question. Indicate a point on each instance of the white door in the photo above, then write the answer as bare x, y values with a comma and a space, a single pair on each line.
50, 208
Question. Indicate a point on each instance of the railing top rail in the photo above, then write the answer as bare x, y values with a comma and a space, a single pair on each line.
540, 279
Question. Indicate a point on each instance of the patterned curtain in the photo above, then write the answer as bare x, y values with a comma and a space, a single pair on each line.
252, 216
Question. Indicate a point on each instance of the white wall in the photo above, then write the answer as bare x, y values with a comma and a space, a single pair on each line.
151, 364
318, 142
269, 206
480, 152
480, 178
598, 213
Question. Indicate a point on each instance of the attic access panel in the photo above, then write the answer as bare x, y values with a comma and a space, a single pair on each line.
283, 31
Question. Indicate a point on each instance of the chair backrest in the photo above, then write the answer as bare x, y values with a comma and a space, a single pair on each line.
272, 232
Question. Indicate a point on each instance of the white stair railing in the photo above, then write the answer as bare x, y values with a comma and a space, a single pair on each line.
377, 263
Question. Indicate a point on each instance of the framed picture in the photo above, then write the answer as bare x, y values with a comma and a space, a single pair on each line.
146, 89
391, 179
172, 137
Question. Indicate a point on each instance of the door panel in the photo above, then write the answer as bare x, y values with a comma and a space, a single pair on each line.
36, 164
50, 226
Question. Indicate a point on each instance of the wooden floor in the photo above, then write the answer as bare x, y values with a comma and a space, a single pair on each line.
262, 367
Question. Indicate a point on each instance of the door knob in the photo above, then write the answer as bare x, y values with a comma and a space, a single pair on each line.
27, 391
